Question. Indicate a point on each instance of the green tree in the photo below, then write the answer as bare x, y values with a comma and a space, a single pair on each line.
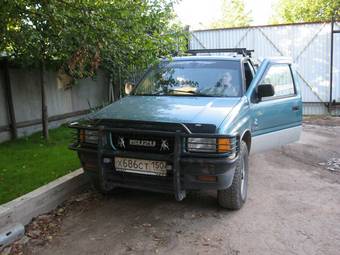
233, 15
294, 11
77, 37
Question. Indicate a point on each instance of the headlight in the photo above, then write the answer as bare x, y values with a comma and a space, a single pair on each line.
88, 136
212, 145
201, 144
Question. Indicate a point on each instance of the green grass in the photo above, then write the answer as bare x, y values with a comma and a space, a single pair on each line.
30, 162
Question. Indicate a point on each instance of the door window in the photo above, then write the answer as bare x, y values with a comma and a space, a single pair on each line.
280, 76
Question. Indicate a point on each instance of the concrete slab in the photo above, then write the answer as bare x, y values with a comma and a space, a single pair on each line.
41, 200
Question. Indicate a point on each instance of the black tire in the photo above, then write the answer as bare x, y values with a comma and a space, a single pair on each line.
99, 185
235, 196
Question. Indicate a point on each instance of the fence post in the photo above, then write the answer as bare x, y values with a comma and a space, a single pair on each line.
9, 99
331, 65
44, 114
117, 88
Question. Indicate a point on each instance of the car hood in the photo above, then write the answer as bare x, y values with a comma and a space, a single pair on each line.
176, 109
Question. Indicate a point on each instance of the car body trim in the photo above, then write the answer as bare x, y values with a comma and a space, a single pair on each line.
275, 139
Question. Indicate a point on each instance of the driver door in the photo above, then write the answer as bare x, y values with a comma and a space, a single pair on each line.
276, 120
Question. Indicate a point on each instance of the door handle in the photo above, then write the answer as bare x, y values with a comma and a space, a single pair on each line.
295, 108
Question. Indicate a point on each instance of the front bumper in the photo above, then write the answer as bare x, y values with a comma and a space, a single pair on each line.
221, 168
187, 168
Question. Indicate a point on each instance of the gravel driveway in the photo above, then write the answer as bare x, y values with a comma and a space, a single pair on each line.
293, 207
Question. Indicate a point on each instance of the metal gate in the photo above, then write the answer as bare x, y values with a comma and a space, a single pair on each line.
308, 44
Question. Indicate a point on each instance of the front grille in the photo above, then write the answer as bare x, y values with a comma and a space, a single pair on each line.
143, 143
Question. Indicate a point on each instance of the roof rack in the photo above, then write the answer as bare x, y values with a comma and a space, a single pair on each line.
242, 51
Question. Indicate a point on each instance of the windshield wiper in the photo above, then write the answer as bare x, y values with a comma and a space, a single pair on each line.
150, 94
191, 92
187, 93
183, 91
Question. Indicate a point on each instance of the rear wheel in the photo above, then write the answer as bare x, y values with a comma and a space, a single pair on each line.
235, 196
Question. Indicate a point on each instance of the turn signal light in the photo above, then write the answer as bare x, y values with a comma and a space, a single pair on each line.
82, 135
224, 145
207, 178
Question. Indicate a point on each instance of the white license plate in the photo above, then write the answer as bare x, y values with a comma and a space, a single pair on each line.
140, 166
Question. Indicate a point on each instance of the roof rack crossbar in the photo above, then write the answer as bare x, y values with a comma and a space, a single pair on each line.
242, 51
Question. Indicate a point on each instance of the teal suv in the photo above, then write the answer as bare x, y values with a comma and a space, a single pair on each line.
190, 123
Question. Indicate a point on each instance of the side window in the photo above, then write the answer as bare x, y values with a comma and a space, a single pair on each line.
280, 76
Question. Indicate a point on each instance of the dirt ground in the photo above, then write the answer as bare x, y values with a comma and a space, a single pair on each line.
293, 207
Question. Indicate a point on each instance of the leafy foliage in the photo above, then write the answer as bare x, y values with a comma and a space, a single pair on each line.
80, 36
233, 15
293, 11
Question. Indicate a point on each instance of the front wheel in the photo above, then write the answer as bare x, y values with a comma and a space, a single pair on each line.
99, 185
235, 196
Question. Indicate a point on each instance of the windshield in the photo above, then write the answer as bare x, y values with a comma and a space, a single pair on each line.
193, 77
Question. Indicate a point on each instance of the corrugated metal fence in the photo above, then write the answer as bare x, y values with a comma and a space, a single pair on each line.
308, 44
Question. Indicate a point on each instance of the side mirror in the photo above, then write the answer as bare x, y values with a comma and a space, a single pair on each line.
265, 90
129, 87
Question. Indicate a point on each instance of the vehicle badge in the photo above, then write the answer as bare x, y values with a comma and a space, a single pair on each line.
121, 142
164, 145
